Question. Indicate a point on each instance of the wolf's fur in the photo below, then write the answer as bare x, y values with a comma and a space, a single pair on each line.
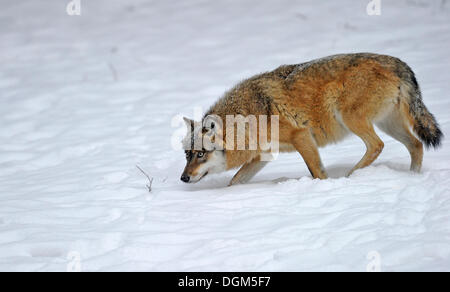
321, 102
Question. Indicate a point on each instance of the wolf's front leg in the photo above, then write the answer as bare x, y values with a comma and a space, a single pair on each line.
307, 148
248, 171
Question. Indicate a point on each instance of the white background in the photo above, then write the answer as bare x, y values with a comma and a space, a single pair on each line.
83, 99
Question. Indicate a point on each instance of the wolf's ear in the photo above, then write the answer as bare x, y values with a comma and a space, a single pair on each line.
187, 140
212, 125
188, 122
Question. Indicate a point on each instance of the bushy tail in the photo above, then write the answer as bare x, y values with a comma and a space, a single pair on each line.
425, 124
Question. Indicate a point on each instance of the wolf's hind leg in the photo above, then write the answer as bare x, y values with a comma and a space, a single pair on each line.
307, 148
396, 126
248, 171
364, 130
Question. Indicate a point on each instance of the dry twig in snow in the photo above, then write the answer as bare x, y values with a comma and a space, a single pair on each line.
150, 179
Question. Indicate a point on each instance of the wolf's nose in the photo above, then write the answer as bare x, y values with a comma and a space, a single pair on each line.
185, 178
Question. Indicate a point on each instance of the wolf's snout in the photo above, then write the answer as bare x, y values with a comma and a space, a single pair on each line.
185, 178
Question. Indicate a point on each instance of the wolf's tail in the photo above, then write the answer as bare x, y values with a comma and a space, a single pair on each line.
424, 123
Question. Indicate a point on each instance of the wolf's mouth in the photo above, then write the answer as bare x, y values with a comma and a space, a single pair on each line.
196, 181
206, 173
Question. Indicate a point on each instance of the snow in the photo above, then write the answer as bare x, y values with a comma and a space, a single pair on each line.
84, 99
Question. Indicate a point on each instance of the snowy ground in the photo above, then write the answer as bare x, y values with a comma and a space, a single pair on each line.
83, 99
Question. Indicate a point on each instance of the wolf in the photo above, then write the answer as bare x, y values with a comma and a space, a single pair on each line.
318, 103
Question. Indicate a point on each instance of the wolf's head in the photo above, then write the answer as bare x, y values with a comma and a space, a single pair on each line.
202, 158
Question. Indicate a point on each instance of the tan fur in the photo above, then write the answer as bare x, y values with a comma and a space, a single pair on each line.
322, 101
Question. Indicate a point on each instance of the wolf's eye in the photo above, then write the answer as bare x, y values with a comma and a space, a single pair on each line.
200, 154
188, 154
